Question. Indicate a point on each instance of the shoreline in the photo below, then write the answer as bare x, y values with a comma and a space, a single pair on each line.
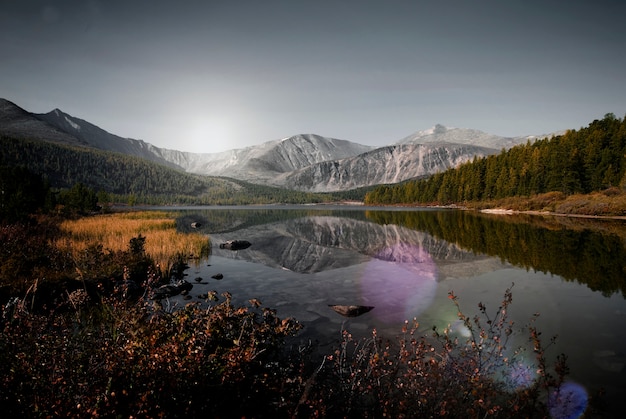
504, 211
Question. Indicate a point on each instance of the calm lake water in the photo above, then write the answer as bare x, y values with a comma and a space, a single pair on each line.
404, 262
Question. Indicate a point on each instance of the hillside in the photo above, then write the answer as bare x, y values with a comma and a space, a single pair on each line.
16, 122
263, 163
577, 162
134, 179
96, 137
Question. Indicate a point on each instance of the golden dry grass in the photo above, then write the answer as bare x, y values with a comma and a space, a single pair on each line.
114, 231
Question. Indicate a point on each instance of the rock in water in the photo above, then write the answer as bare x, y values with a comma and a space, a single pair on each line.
170, 290
350, 311
235, 245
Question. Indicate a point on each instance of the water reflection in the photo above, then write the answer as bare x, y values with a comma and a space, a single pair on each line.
590, 252
400, 281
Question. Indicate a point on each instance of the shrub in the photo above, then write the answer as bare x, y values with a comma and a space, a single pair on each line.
437, 374
26, 255
132, 360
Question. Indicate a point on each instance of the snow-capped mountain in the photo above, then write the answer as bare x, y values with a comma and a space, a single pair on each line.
304, 162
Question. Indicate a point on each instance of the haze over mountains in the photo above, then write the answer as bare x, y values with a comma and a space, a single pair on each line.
304, 162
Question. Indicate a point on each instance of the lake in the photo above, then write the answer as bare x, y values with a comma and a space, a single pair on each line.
403, 262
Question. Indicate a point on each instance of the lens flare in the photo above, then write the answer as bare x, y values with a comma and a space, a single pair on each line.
568, 402
520, 375
400, 281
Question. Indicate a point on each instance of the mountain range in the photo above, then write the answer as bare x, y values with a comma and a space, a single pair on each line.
304, 162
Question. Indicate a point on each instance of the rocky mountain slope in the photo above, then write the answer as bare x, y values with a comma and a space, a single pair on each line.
263, 163
391, 164
305, 162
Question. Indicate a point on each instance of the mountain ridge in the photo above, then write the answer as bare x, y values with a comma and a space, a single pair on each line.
304, 162
384, 165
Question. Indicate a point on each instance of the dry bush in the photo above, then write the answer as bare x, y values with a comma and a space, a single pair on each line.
130, 360
439, 374
611, 202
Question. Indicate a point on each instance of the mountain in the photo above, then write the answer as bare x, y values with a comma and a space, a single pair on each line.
391, 164
16, 122
441, 134
305, 162
59, 127
96, 137
258, 163
266, 162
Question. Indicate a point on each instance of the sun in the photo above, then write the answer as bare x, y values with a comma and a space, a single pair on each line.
209, 134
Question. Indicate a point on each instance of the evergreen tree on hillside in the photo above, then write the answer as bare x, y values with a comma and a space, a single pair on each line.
80, 199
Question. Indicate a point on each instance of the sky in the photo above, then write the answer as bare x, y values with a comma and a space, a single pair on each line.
208, 76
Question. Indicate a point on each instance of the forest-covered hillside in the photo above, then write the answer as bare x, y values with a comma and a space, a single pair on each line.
134, 180
579, 161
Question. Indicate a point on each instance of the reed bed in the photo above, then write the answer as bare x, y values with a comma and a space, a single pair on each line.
113, 232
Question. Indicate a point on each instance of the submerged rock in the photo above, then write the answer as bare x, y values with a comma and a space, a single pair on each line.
350, 310
235, 245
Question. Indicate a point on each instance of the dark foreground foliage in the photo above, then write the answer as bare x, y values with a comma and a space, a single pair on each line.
30, 262
126, 358
130, 360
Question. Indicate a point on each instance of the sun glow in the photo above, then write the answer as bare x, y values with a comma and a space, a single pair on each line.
209, 134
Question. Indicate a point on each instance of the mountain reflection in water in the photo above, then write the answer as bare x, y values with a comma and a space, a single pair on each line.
404, 262
591, 252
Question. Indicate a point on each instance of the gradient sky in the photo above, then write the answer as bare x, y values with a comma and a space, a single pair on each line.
207, 76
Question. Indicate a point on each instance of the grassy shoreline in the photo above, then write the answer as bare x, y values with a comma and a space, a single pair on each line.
608, 204
114, 231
